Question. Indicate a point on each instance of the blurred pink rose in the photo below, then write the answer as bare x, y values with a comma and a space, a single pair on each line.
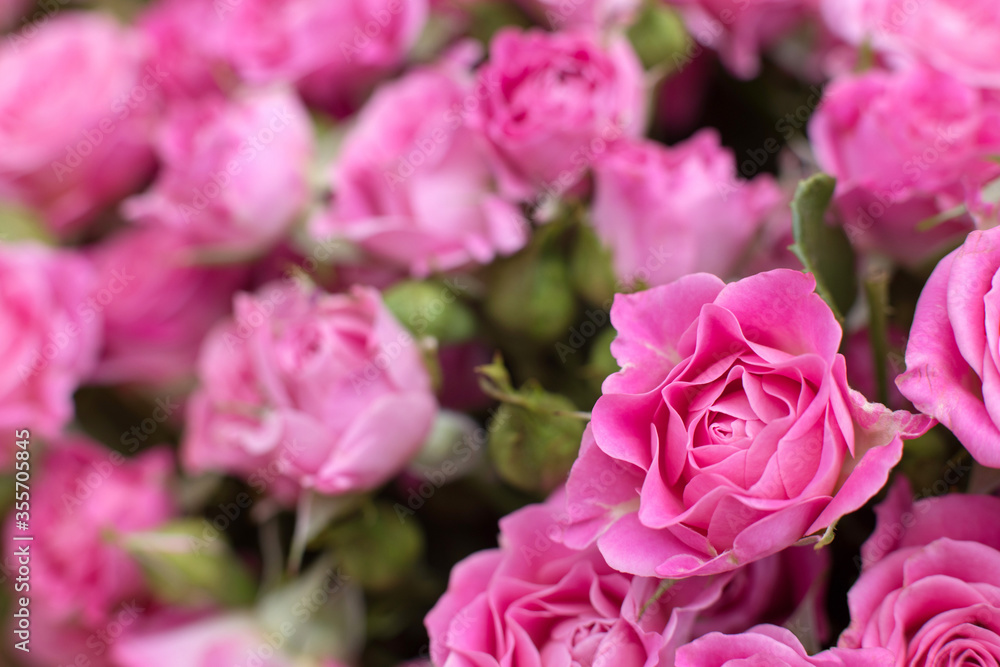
534, 602
76, 119
49, 335
553, 103
667, 212
771, 646
181, 34
730, 434
83, 496
154, 327
930, 588
952, 357
321, 391
934, 136
235, 639
416, 188
234, 172
740, 29
955, 36
563, 14
334, 51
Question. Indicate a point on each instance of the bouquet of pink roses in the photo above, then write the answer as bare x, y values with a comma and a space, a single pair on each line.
500, 333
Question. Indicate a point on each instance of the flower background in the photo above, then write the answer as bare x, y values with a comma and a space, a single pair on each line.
469, 333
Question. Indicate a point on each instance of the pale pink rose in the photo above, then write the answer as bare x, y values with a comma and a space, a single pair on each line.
730, 434
157, 305
935, 136
416, 188
321, 391
335, 52
83, 498
213, 641
534, 602
930, 586
49, 335
952, 357
740, 29
592, 14
74, 99
771, 646
233, 175
553, 103
955, 36
667, 212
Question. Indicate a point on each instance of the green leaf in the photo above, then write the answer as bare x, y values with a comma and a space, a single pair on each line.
823, 249
188, 563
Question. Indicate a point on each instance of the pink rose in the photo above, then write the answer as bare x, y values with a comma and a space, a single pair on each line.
82, 497
740, 29
214, 641
934, 136
534, 602
559, 14
771, 646
49, 335
553, 102
667, 212
952, 365
321, 391
234, 172
334, 51
156, 305
954, 36
929, 591
416, 189
730, 434
75, 125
